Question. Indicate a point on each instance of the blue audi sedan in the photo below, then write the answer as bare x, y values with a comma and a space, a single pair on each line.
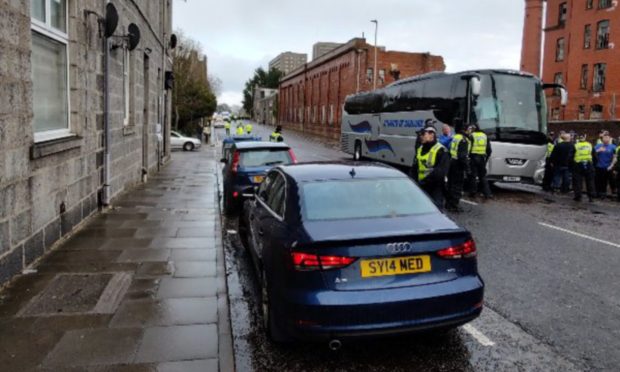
345, 250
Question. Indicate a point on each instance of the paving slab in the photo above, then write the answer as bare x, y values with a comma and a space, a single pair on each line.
193, 254
169, 312
178, 343
187, 287
144, 255
194, 269
205, 365
187, 243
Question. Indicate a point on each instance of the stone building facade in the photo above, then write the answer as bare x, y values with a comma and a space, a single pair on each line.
264, 104
311, 98
53, 122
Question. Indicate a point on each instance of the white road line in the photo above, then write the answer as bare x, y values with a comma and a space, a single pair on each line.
579, 235
479, 336
469, 202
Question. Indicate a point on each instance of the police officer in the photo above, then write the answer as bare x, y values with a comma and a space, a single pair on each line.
227, 127
431, 166
248, 128
480, 153
549, 172
240, 131
276, 135
583, 168
459, 165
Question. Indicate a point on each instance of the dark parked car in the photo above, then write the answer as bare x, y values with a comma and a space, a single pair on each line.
356, 249
246, 164
228, 142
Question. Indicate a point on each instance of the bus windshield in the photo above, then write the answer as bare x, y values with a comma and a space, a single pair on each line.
511, 108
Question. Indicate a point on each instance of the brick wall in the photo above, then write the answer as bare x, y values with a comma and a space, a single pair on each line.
47, 188
576, 56
311, 98
591, 128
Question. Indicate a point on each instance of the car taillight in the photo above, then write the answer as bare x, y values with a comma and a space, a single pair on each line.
292, 155
309, 262
465, 250
235, 161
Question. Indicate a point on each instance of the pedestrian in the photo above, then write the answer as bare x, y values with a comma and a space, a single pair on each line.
446, 136
240, 131
248, 128
601, 133
276, 135
199, 132
480, 154
460, 147
549, 172
227, 127
616, 166
561, 160
583, 169
605, 152
430, 166
206, 131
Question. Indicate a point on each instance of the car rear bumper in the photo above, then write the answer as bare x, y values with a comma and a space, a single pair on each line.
358, 314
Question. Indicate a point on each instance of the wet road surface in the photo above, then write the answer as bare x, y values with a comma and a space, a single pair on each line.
551, 300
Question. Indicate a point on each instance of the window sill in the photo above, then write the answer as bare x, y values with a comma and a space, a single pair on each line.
129, 130
51, 147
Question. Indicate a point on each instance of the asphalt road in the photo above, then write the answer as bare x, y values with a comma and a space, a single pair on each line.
551, 303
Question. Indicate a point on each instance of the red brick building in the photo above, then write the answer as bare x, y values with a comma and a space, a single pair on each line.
579, 51
312, 96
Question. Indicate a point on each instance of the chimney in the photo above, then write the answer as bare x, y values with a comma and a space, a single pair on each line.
531, 48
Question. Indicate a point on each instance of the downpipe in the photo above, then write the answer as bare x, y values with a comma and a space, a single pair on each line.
334, 345
106, 122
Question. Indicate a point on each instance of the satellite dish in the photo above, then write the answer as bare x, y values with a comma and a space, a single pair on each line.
134, 36
111, 20
173, 41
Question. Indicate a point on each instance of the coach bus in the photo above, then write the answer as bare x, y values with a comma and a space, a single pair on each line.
509, 106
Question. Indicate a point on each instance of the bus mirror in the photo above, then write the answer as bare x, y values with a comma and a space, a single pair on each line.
474, 82
563, 96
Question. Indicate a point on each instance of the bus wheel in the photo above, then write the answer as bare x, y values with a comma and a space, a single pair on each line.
357, 152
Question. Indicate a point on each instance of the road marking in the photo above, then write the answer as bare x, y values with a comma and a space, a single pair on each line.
469, 202
579, 235
479, 336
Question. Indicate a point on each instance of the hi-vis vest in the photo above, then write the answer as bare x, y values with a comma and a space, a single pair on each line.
274, 137
550, 147
426, 162
479, 146
583, 152
454, 146
248, 128
226, 125
240, 130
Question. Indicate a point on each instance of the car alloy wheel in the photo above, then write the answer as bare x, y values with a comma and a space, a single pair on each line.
188, 146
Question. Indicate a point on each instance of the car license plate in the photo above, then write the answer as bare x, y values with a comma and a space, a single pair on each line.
258, 179
395, 266
512, 179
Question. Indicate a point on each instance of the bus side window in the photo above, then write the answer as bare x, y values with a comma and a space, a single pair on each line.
438, 98
460, 98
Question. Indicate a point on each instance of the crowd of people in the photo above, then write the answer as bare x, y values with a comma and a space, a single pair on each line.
573, 161
246, 129
446, 165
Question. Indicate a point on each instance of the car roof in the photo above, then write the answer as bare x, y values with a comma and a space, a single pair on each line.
249, 145
339, 170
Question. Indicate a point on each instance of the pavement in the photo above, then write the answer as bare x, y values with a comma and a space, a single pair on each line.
138, 287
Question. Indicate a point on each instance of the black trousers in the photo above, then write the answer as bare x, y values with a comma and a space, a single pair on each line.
456, 181
604, 177
583, 172
478, 176
548, 178
618, 182
436, 192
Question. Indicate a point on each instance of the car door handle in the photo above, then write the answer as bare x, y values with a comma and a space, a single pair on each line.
260, 232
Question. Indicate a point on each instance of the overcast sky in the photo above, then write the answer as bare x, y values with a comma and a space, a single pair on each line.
240, 35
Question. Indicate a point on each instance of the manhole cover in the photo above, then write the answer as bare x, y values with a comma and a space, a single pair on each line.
80, 294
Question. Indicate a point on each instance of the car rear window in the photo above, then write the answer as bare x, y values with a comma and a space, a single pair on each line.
369, 198
263, 157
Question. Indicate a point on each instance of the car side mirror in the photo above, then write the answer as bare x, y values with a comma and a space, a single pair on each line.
475, 86
223, 161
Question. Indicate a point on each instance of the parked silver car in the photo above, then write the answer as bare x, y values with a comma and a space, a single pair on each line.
179, 141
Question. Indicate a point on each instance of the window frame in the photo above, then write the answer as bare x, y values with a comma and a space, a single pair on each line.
596, 68
557, 49
585, 73
587, 36
605, 4
560, 81
598, 27
562, 16
46, 30
589, 4
265, 203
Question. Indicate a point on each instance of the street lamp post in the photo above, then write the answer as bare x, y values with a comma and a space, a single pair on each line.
374, 75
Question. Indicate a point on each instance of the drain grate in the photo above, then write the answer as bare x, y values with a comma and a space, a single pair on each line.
73, 294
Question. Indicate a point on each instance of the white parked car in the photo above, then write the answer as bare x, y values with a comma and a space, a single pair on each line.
178, 141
